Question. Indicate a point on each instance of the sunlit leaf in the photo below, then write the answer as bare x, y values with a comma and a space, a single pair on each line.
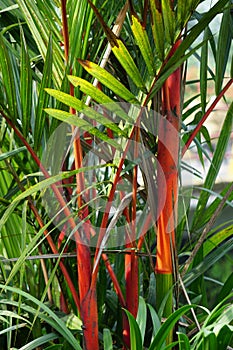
109, 81
75, 120
217, 239
178, 57
142, 41
127, 62
121, 52
169, 20
90, 90
73, 322
87, 111
98, 96
157, 29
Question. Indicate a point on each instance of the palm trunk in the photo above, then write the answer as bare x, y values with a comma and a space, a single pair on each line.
168, 150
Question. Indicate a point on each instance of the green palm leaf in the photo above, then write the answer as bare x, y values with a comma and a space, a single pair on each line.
73, 119
169, 20
51, 319
142, 41
87, 111
109, 81
98, 96
25, 86
158, 30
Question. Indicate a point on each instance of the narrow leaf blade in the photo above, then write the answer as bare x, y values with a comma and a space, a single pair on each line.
25, 86
109, 81
223, 48
157, 30
135, 334
98, 96
127, 62
43, 98
169, 20
73, 119
143, 43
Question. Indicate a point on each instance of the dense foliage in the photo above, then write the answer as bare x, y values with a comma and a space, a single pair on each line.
102, 245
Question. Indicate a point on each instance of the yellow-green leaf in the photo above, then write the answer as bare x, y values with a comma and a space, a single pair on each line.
217, 239
99, 96
180, 12
184, 9
90, 90
109, 81
157, 30
67, 99
127, 62
80, 106
121, 52
169, 20
73, 322
82, 124
142, 40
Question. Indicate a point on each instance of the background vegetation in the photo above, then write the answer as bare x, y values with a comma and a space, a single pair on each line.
61, 288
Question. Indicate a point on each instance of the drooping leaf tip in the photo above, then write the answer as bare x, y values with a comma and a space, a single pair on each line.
84, 63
